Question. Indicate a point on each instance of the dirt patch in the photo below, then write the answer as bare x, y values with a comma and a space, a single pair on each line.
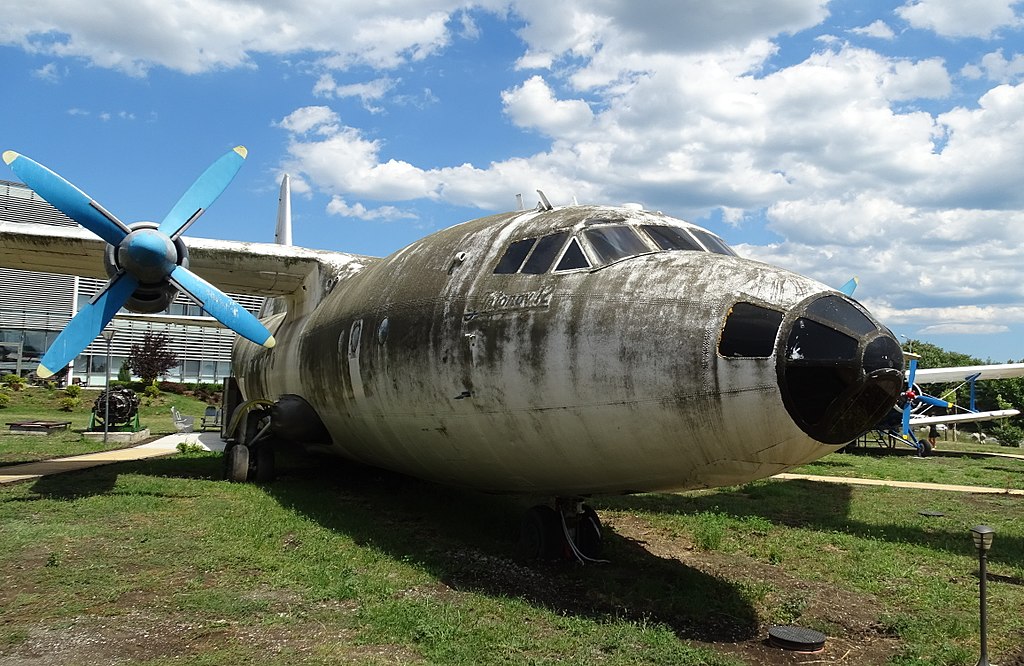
854, 634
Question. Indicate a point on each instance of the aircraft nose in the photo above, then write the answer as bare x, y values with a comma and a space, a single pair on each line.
840, 372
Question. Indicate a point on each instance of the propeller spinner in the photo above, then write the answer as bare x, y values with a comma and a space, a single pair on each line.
145, 256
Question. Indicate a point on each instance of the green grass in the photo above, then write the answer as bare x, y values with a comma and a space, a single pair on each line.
159, 562
43, 404
963, 468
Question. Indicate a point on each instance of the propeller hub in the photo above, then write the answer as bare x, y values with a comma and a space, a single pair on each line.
147, 254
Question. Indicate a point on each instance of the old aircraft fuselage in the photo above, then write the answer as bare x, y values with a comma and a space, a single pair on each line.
579, 350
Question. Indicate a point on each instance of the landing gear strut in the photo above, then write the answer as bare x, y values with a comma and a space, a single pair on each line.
571, 531
251, 457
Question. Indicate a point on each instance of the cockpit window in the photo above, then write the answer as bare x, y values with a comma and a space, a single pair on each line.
514, 256
837, 310
749, 332
614, 242
573, 258
671, 238
544, 253
713, 243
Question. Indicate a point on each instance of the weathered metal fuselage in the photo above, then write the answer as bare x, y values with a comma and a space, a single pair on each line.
608, 378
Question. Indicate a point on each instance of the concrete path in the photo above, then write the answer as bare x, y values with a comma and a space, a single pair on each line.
164, 446
900, 484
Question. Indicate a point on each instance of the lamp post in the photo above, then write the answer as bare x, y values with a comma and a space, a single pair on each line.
982, 535
108, 335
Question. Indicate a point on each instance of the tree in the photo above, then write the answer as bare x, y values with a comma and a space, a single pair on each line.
152, 357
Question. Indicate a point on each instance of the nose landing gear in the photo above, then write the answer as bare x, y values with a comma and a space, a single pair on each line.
569, 531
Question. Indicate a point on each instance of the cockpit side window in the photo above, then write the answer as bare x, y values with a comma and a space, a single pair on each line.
671, 238
713, 243
544, 253
614, 242
514, 256
749, 332
573, 258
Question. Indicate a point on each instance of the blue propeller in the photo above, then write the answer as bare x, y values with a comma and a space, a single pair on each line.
145, 256
912, 397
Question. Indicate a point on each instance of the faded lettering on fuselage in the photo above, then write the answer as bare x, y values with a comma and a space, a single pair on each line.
495, 302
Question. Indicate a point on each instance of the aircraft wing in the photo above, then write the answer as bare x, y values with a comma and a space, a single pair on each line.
263, 269
968, 417
962, 374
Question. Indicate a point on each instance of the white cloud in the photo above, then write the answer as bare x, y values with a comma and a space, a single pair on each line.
205, 35
338, 206
368, 92
964, 329
996, 67
533, 105
878, 29
49, 72
322, 119
956, 18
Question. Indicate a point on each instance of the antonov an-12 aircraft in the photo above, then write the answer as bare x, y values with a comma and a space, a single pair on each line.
560, 351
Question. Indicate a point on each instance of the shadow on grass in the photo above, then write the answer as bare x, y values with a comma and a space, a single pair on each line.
465, 539
819, 506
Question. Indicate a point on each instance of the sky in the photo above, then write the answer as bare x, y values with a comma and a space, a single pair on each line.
881, 140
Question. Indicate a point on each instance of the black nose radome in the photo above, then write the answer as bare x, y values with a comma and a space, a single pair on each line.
840, 371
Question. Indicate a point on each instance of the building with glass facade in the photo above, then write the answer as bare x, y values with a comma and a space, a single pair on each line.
35, 307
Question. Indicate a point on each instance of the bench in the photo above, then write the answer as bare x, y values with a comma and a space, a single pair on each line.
211, 418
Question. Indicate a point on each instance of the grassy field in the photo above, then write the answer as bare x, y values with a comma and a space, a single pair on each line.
159, 562
40, 403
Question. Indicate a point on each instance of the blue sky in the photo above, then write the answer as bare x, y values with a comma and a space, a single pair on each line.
878, 139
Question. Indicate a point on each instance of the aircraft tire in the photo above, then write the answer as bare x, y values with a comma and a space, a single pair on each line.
540, 536
589, 538
926, 448
238, 463
265, 464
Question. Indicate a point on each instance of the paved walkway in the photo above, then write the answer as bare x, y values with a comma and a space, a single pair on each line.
900, 484
164, 446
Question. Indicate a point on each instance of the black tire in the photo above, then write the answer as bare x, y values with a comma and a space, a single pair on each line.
540, 534
265, 464
238, 463
926, 448
589, 538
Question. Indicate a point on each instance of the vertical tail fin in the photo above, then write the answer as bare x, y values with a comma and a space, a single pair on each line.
283, 232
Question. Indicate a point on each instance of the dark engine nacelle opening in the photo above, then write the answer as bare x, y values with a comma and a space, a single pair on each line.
295, 420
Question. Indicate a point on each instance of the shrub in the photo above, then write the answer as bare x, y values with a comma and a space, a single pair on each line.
14, 382
152, 391
69, 404
5, 399
73, 390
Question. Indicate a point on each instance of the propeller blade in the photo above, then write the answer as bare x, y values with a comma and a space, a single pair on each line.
67, 198
203, 192
220, 306
87, 324
905, 431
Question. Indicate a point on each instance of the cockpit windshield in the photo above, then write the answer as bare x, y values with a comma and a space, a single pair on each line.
614, 242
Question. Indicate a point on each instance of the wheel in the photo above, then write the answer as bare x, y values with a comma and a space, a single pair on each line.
588, 533
238, 463
540, 534
926, 448
265, 469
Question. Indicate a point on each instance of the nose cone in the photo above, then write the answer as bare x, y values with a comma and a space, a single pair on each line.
148, 255
841, 372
